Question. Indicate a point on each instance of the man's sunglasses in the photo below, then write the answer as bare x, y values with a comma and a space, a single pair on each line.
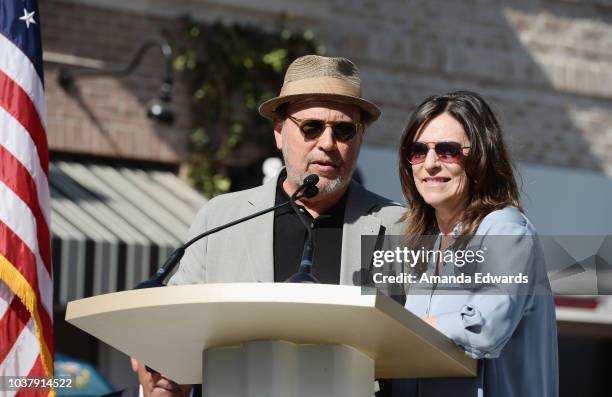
343, 131
447, 152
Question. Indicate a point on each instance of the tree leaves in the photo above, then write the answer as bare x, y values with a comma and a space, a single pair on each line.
230, 70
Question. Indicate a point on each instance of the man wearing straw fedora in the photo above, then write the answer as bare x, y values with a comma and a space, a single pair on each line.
319, 120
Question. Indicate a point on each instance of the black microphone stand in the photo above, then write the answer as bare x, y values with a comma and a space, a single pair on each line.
304, 273
158, 279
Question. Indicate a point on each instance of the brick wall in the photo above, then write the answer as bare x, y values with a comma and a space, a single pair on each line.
106, 116
545, 65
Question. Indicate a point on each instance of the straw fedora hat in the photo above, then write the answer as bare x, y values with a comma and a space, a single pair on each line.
317, 77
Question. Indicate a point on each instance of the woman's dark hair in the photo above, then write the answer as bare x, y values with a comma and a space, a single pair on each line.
492, 184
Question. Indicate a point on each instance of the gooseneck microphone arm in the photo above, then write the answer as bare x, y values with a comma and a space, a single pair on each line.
158, 279
304, 273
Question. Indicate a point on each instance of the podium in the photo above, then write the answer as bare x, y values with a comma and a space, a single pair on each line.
271, 339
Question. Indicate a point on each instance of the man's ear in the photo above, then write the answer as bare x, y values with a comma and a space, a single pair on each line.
278, 128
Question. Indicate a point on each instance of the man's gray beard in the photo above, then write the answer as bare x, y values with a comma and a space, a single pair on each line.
331, 186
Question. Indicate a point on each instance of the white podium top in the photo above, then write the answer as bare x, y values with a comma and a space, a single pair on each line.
168, 328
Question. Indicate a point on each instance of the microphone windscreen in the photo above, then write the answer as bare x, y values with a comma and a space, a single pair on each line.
311, 180
311, 191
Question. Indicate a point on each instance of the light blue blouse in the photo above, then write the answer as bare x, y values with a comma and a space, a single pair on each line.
511, 329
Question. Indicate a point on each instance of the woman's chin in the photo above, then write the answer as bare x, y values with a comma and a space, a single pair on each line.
437, 202
444, 202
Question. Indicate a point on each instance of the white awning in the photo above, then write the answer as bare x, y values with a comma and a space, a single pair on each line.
114, 226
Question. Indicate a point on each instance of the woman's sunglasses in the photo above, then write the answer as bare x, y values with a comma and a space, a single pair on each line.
343, 131
447, 152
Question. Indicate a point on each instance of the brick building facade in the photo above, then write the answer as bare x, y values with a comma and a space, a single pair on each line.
546, 65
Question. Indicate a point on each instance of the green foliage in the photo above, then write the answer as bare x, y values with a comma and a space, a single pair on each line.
231, 70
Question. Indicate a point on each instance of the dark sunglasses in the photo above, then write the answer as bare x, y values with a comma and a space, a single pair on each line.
343, 131
447, 152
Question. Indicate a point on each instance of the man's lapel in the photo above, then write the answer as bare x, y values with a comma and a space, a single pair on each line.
357, 222
260, 233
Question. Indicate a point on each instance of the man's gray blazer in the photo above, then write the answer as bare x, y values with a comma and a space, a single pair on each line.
245, 253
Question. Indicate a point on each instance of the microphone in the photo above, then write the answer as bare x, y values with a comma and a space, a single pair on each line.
307, 190
304, 273
309, 186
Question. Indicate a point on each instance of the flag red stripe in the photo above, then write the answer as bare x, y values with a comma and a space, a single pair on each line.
11, 324
18, 104
16, 252
18, 179
19, 254
37, 371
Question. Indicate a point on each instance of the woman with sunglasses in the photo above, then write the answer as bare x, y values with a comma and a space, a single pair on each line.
458, 180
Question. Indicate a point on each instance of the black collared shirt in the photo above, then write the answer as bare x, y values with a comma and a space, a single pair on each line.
290, 235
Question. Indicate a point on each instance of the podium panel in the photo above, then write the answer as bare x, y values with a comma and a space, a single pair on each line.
282, 369
168, 328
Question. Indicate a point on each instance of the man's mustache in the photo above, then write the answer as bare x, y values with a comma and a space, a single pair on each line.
336, 161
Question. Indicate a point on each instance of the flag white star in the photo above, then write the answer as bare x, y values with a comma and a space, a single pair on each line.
28, 18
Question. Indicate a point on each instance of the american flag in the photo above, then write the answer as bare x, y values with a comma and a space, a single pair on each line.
26, 287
